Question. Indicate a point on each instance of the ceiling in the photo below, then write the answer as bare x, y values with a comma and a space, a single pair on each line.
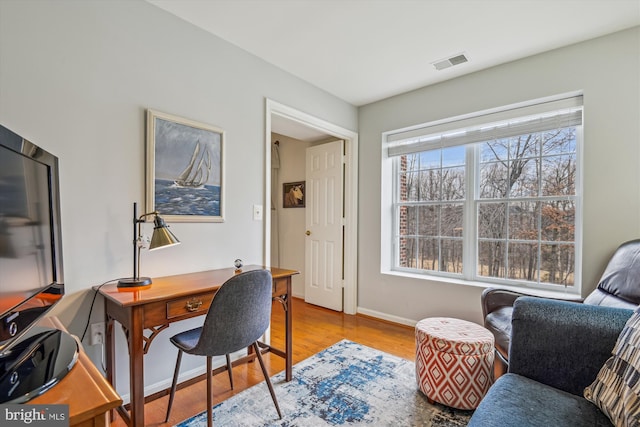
365, 50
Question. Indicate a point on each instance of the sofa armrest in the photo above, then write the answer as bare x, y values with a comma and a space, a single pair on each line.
494, 298
562, 344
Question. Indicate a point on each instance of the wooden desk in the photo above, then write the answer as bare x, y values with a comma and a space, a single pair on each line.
84, 389
171, 299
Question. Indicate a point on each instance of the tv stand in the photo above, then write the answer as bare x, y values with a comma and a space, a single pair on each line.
89, 396
37, 362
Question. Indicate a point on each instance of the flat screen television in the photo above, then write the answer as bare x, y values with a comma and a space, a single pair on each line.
32, 358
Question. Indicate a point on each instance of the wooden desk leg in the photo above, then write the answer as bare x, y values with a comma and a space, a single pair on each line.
289, 342
110, 356
136, 366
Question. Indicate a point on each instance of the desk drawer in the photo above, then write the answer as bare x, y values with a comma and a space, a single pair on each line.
279, 287
198, 304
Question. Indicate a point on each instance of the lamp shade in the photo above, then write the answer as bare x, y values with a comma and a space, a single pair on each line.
162, 237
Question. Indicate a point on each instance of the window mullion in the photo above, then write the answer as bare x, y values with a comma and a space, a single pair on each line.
469, 257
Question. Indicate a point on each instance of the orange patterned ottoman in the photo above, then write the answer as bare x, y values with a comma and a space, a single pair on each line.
454, 361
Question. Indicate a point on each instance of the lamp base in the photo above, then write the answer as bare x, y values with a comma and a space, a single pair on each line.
132, 282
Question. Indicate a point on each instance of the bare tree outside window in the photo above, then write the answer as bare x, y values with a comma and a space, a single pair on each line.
524, 205
433, 187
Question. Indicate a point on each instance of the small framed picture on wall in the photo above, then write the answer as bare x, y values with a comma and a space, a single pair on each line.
293, 194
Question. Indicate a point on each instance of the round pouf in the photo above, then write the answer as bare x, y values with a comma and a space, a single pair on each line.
454, 361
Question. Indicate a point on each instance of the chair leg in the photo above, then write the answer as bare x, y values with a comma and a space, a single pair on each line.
174, 384
266, 378
229, 368
209, 394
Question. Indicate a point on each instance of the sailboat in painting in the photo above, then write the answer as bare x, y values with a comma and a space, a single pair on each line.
196, 174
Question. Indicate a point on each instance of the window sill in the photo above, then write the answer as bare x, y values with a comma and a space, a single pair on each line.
546, 293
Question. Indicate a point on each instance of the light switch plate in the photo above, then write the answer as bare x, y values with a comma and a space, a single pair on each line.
257, 212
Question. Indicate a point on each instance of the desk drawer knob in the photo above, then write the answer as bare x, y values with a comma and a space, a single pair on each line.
194, 305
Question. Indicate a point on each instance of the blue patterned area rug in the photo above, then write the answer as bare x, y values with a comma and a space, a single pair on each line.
346, 384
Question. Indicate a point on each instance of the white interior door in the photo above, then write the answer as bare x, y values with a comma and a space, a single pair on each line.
324, 221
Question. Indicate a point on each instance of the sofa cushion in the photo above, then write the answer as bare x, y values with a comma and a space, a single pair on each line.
516, 401
550, 340
616, 389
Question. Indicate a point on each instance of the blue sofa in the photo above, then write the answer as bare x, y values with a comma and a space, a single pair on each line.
557, 349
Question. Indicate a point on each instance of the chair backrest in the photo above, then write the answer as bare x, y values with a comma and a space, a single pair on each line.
619, 285
239, 314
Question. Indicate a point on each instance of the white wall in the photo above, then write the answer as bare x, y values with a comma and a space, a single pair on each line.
77, 77
607, 70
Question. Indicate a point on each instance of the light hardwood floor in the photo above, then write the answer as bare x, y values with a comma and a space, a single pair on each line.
314, 329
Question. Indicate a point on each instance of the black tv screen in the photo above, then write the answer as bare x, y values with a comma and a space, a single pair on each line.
31, 276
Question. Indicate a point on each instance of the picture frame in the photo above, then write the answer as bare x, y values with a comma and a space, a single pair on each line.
293, 194
185, 169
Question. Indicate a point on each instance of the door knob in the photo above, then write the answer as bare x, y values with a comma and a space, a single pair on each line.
308, 233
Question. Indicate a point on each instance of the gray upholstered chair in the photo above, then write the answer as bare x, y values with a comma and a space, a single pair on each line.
557, 349
239, 315
619, 286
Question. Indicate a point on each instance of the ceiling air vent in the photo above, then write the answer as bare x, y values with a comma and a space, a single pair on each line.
450, 62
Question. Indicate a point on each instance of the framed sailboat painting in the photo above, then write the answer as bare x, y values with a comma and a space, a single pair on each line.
184, 169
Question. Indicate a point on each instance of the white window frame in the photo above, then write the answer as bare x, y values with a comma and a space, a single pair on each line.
440, 134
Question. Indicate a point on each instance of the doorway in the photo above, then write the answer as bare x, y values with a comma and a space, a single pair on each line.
277, 114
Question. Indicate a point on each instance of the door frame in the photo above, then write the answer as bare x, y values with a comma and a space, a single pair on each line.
350, 256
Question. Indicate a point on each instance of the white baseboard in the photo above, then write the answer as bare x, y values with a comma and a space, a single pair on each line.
184, 376
387, 317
